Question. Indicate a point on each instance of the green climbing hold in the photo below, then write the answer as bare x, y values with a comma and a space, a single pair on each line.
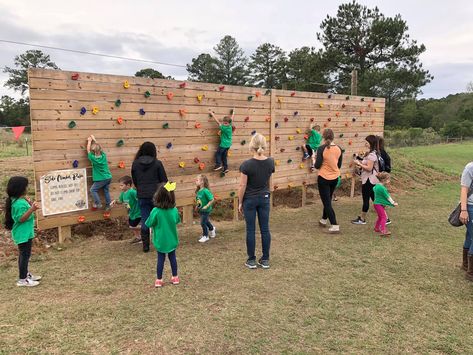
72, 124
267, 92
147, 94
243, 142
120, 142
166, 125
118, 102
341, 135
250, 98
232, 194
289, 161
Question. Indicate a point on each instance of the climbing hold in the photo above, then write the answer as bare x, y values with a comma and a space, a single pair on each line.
312, 119
182, 164
182, 112
75, 164
362, 99
250, 98
369, 105
372, 122
120, 142
341, 135
268, 119
267, 139
258, 93
299, 131
337, 114
298, 148
329, 96
296, 113
267, 92
356, 134
361, 112
196, 160
182, 85
247, 118
290, 138
80, 219
197, 125
375, 109
166, 125
169, 145
353, 119
201, 166
289, 161
275, 187
229, 153
142, 112
118, 102
126, 84
147, 93
301, 166
373, 99
321, 105
286, 119
282, 150
329, 119
72, 124
75, 76
306, 137
277, 162
276, 138
95, 110
232, 194
119, 120
106, 215
243, 142
205, 148
325, 125
343, 105
293, 93
253, 133
276, 125
169, 96
364, 124
221, 88
346, 124
232, 111
222, 174
83, 110
121, 165
350, 142
199, 98
347, 98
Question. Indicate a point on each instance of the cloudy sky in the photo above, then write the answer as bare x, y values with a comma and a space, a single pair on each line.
177, 31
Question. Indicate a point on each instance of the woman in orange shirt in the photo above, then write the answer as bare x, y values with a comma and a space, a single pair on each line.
329, 162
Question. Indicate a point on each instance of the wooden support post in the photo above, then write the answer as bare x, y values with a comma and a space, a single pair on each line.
235, 209
352, 189
187, 215
354, 82
64, 233
304, 195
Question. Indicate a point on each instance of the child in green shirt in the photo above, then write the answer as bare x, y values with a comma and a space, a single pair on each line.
314, 138
101, 175
204, 201
129, 197
226, 131
19, 218
163, 221
381, 200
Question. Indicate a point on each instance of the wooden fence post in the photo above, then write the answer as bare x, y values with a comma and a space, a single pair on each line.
352, 189
235, 209
64, 233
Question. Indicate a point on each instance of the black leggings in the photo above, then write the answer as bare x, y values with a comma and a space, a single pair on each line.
367, 193
24, 257
326, 189
172, 261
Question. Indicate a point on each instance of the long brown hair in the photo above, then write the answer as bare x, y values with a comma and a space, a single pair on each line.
328, 137
205, 180
163, 198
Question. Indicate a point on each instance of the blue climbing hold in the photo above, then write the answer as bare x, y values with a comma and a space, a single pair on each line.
169, 145
142, 112
75, 164
83, 110
253, 133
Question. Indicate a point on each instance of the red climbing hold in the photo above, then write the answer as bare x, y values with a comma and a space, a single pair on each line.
182, 85
75, 76
221, 88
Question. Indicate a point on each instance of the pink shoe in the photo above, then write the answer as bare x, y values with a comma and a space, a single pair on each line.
175, 280
158, 283
377, 230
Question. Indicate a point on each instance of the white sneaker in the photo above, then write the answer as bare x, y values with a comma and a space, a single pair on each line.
204, 239
213, 233
323, 223
32, 277
334, 229
27, 283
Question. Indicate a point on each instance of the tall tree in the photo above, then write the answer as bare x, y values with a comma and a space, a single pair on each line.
306, 70
268, 66
203, 68
14, 112
18, 76
379, 47
151, 74
231, 62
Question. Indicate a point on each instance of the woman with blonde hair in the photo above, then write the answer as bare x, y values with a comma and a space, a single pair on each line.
254, 199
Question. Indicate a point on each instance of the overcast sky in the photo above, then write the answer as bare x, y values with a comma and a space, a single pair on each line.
177, 31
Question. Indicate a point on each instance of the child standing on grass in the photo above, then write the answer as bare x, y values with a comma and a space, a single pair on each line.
204, 200
101, 175
19, 218
163, 221
129, 197
312, 144
381, 200
226, 131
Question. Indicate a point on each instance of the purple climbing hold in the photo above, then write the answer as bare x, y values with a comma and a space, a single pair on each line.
75, 164
83, 110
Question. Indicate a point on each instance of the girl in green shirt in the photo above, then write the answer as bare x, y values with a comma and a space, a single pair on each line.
204, 201
19, 218
381, 200
101, 175
163, 221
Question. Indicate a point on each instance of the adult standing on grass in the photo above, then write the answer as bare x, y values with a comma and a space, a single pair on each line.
147, 173
466, 217
254, 198
369, 169
329, 162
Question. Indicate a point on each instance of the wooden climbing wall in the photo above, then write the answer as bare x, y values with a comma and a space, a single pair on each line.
57, 97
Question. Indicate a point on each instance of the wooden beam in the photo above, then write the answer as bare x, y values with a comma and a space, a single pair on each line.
304, 195
352, 189
64, 233
235, 209
187, 215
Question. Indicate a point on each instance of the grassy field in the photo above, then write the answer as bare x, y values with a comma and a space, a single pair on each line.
351, 293
10, 148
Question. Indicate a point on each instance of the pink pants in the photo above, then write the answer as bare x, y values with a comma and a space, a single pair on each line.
380, 225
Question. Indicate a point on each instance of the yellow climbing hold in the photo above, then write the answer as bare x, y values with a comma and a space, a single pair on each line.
126, 84
321, 105
205, 148
279, 100
290, 138
299, 131
95, 110
199, 98
277, 162
229, 153
182, 164
301, 166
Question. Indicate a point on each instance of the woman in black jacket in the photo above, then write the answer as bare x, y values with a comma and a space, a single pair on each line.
147, 173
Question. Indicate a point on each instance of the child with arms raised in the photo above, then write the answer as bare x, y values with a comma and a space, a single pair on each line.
226, 132
312, 144
101, 175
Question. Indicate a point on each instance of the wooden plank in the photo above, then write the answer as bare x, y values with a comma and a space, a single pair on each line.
235, 209
64, 233
187, 215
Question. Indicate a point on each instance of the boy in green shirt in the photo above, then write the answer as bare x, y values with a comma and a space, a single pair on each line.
381, 200
226, 131
314, 138
101, 175
129, 197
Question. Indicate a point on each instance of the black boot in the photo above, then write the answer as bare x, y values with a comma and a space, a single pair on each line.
469, 272
145, 240
465, 259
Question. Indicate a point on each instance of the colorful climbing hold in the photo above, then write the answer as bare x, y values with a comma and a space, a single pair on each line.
169, 96
353, 119
75, 76
329, 96
290, 138
95, 110
276, 138
343, 105
222, 174
346, 124
142, 112
258, 93
372, 122
120, 143
232, 194
182, 112
197, 125
201, 166
233, 128
126, 84
83, 110
280, 100
277, 162
221, 88
341, 135
306, 137
282, 150
362, 99
361, 112
289, 161
293, 93
182, 164
182, 85
166, 125
329, 119
301, 166
250, 98
253, 133
312, 119
118, 102
298, 148
375, 109
373, 99
267, 92
298, 131
268, 119
276, 125
356, 134
81, 219
169, 145
286, 119
205, 148
337, 114
350, 142
72, 124
147, 93
106, 215
247, 118
119, 120
199, 98
232, 111
296, 113
75, 164
121, 165
321, 105
347, 98
196, 160
275, 187
243, 142
325, 125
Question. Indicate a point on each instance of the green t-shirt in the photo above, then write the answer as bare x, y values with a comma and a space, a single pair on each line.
131, 200
164, 224
225, 136
100, 170
203, 197
314, 139
21, 231
381, 195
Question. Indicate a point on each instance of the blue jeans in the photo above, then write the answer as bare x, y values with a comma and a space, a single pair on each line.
160, 265
251, 206
94, 190
146, 205
469, 231
221, 157
205, 223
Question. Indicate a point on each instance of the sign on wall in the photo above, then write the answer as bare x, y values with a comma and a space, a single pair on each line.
64, 191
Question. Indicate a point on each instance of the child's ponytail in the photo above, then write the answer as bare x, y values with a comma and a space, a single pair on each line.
8, 217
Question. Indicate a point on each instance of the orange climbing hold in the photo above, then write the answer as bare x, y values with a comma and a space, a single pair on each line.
197, 125
106, 215
201, 166
279, 100
268, 119
257, 93
119, 120
81, 219
247, 118
121, 165
169, 95
182, 112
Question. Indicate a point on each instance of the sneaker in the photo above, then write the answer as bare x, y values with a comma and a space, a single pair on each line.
251, 264
306, 156
213, 233
32, 277
175, 280
158, 283
323, 223
377, 230
388, 221
217, 168
204, 239
136, 240
27, 283
226, 171
385, 234
358, 220
334, 229
263, 263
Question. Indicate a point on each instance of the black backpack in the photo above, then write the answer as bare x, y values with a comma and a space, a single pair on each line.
384, 162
